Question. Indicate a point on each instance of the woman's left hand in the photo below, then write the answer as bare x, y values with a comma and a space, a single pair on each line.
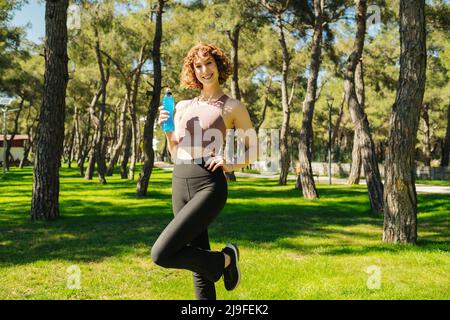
217, 162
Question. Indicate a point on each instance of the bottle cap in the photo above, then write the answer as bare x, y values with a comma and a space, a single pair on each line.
168, 91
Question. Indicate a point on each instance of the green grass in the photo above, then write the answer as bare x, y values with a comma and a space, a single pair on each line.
251, 171
291, 248
444, 183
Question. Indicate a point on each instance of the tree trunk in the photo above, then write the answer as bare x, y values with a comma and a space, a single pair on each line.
380, 151
165, 151
306, 132
149, 153
95, 121
284, 148
118, 147
30, 133
139, 142
114, 135
235, 91
50, 137
446, 142
27, 147
358, 115
337, 126
83, 148
133, 148
266, 103
100, 141
134, 120
91, 164
400, 209
70, 147
234, 38
426, 135
355, 169
126, 154
78, 142
337, 132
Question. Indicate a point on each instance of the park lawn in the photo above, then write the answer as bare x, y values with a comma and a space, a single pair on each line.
291, 248
443, 183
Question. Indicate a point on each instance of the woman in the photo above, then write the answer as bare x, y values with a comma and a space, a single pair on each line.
199, 186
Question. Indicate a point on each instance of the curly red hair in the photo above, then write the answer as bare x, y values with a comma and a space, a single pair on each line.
188, 78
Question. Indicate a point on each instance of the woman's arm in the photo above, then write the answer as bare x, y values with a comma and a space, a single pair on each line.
172, 143
244, 128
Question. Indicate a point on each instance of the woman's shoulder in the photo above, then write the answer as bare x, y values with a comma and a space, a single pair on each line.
235, 104
182, 103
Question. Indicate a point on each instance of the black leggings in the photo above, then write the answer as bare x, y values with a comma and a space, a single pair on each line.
198, 195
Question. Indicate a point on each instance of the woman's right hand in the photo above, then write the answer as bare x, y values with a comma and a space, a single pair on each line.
163, 115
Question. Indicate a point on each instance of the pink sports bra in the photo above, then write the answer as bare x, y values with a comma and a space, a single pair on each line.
199, 119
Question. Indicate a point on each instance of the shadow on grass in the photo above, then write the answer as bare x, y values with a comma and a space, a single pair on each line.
91, 230
86, 231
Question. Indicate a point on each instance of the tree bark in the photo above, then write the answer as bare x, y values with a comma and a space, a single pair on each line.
400, 208
306, 132
119, 144
50, 137
284, 148
337, 131
89, 174
149, 153
114, 134
165, 151
100, 124
70, 147
426, 135
95, 121
139, 142
266, 103
76, 117
84, 147
30, 133
355, 169
126, 154
358, 115
446, 142
234, 38
233, 35
134, 120
26, 150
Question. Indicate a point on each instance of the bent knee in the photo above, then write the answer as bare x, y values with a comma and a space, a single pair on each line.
158, 256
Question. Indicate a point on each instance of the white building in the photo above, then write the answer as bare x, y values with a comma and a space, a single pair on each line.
17, 148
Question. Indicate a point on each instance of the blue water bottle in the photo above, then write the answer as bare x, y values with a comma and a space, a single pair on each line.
169, 105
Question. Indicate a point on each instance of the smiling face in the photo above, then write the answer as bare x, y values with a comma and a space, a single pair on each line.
206, 70
203, 60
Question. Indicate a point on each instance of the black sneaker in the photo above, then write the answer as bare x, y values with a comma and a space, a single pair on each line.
231, 274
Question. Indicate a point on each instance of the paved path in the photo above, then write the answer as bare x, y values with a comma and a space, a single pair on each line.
420, 188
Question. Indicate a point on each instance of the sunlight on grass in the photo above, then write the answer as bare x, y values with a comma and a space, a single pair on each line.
291, 248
